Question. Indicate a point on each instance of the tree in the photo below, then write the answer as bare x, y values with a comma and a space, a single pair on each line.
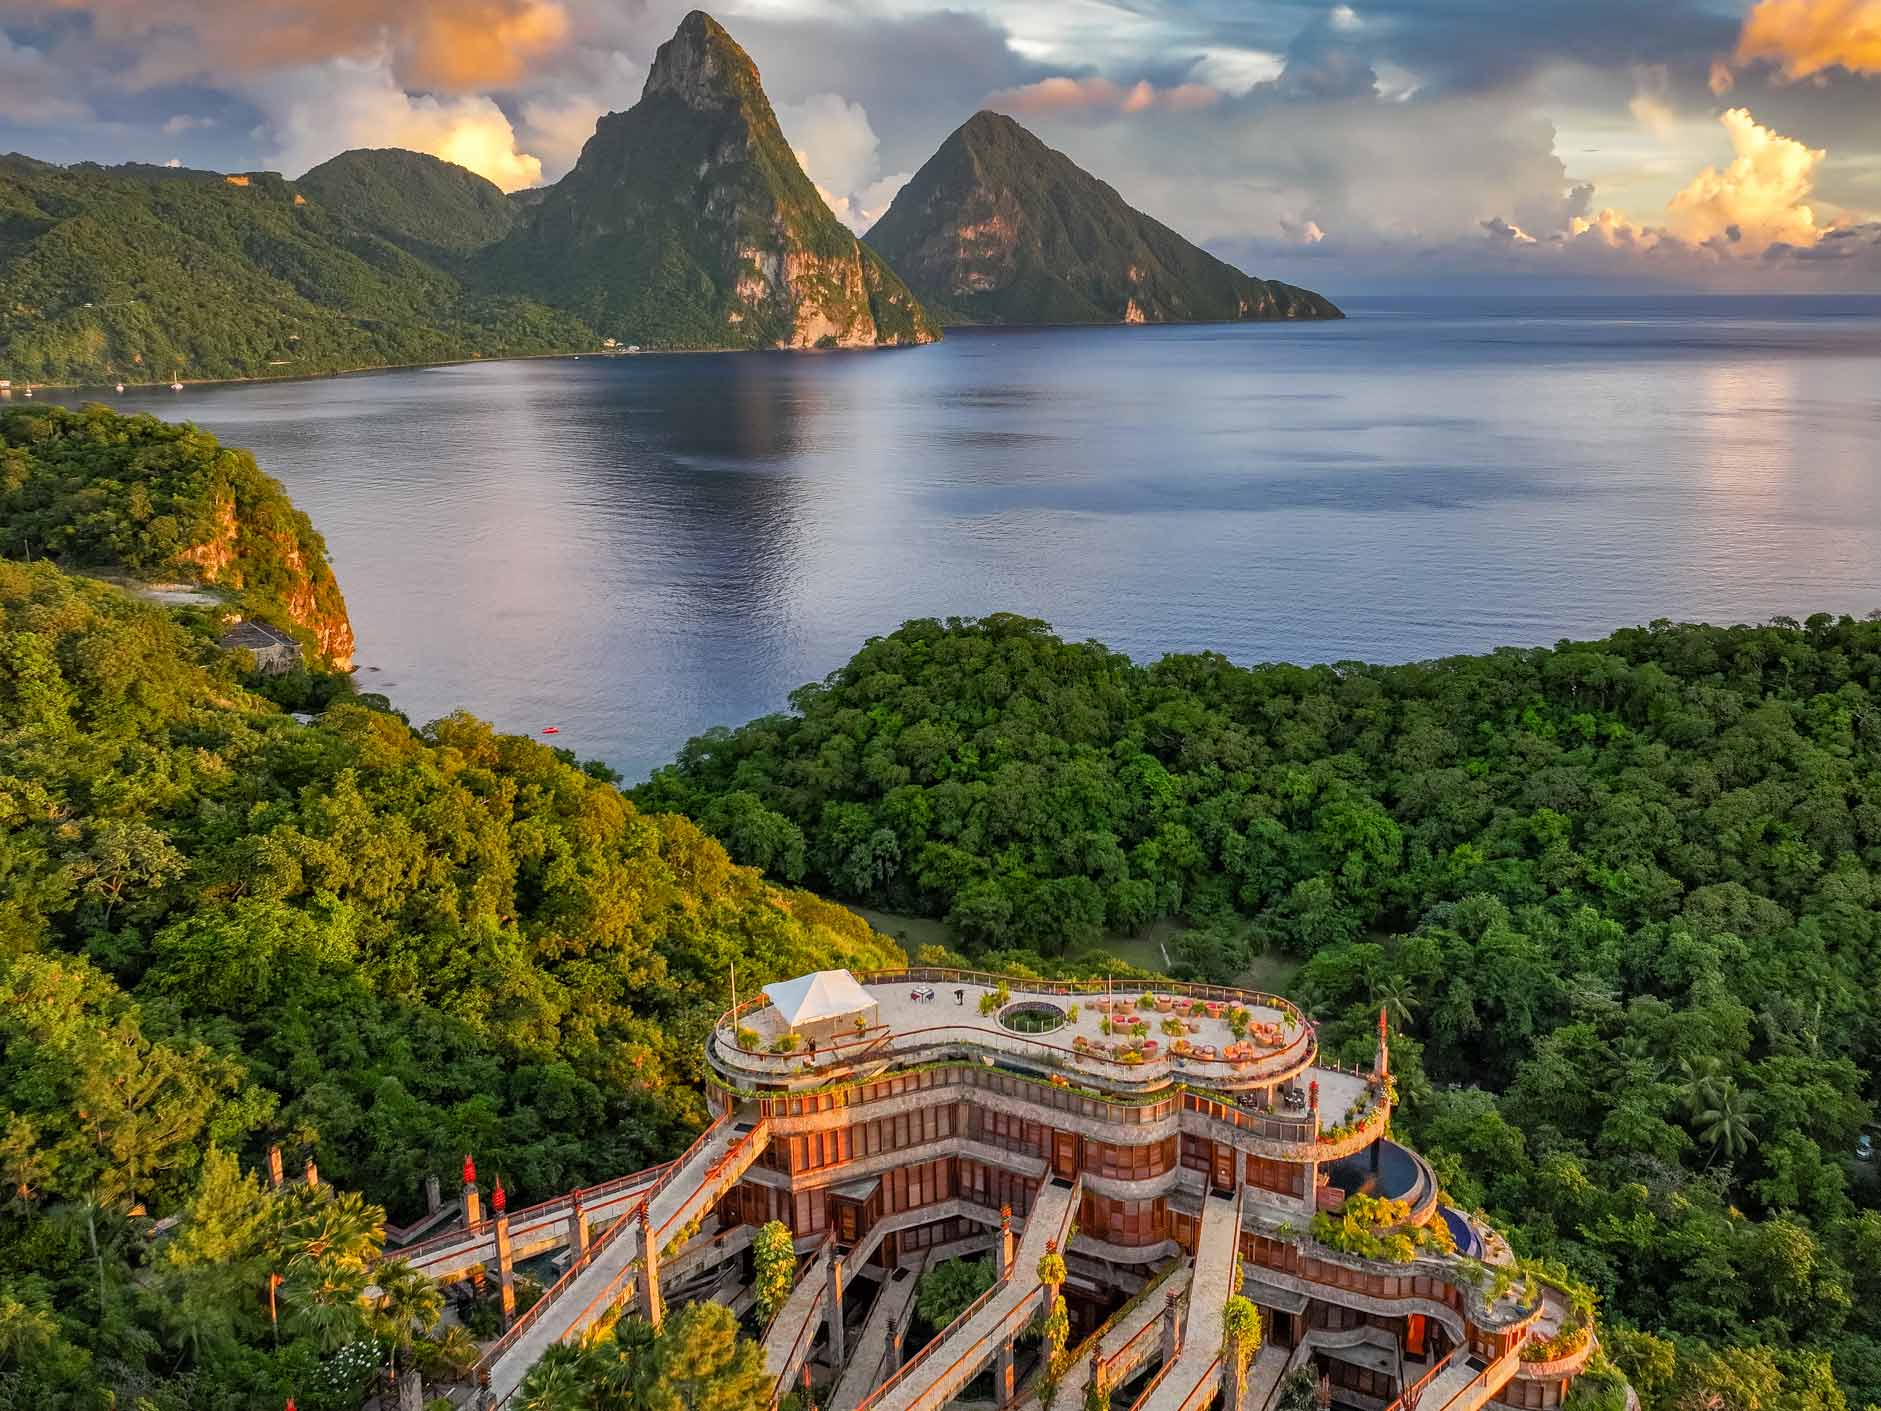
948, 1288
406, 1305
774, 1259
1725, 1123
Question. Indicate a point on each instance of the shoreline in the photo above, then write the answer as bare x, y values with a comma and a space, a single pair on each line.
947, 330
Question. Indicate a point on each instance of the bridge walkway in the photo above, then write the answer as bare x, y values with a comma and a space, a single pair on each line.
1189, 1381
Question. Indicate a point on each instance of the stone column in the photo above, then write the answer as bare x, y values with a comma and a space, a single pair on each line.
434, 1197
1311, 1197
1381, 1065
1172, 1327
411, 1390
275, 1176
1005, 1241
311, 1173
1004, 1386
891, 1356
1234, 1395
577, 1227
473, 1204
651, 1306
1097, 1382
836, 1330
505, 1262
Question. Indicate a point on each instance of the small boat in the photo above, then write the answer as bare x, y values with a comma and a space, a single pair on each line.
551, 729
176, 387
120, 387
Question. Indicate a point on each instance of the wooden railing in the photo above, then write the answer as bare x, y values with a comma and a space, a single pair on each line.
559, 1206
807, 1328
553, 1294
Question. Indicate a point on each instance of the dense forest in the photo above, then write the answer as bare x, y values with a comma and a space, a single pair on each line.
221, 929
155, 502
1618, 897
141, 274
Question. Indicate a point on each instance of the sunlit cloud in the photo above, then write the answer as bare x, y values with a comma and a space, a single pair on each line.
1759, 199
1101, 95
319, 110
1805, 37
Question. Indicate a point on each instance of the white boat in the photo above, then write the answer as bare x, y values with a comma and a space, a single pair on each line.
120, 387
176, 387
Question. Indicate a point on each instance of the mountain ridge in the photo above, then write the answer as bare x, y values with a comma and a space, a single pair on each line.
998, 227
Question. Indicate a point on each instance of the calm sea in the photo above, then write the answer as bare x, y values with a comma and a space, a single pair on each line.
635, 549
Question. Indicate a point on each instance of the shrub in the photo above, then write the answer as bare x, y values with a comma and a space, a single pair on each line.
747, 1039
1174, 1028
784, 1043
774, 1261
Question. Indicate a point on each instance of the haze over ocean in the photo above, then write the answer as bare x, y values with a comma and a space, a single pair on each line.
636, 549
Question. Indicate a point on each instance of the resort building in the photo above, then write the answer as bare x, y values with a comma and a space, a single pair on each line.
1169, 1144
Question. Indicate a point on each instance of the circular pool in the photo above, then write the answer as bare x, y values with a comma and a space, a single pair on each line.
1032, 1016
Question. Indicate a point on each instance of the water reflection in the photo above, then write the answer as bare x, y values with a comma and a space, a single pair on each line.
634, 549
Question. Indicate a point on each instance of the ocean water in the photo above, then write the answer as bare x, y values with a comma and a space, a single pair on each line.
634, 549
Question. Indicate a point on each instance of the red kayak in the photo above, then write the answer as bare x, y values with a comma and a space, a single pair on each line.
551, 729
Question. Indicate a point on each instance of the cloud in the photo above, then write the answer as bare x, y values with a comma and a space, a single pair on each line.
1102, 95
321, 109
184, 122
1805, 37
1235, 71
446, 45
32, 91
838, 150
1500, 229
557, 129
1759, 199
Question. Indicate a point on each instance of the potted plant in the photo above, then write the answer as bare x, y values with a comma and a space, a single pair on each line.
748, 1039
1147, 1000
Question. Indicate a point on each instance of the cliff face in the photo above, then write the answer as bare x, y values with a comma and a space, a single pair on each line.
687, 222
95, 490
999, 228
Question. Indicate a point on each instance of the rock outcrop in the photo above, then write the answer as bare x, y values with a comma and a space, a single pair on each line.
999, 228
687, 222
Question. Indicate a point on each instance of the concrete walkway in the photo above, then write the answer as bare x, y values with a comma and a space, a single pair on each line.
1188, 1380
937, 1373
870, 1351
1265, 1374
717, 1161
787, 1341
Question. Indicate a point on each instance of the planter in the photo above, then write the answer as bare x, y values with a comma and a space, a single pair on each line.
1149, 1048
1215, 1008
1164, 1004
1195, 1026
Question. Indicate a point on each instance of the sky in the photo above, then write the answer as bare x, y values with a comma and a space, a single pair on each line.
1359, 147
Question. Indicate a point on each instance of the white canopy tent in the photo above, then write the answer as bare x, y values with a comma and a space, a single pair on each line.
823, 1005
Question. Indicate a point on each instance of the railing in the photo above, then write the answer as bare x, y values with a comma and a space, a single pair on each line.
553, 1294
558, 1205
1011, 1323
1297, 1054
1205, 1387
807, 1329
934, 1345
1410, 1394
728, 1021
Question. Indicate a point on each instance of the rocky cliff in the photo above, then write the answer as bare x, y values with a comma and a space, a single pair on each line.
999, 228
687, 222
94, 490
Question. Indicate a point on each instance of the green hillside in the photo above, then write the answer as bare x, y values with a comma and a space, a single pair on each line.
431, 207
997, 227
138, 274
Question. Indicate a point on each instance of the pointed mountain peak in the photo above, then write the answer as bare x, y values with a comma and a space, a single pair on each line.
702, 66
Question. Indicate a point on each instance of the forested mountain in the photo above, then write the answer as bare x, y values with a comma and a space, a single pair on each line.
141, 274
997, 227
382, 948
688, 222
93, 491
1622, 897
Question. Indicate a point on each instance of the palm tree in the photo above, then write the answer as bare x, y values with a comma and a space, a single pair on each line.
326, 1304
1726, 1122
1698, 1081
1396, 996
339, 1232
406, 1304
555, 1383
450, 1356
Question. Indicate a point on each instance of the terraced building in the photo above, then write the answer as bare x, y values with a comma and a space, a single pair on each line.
1157, 1139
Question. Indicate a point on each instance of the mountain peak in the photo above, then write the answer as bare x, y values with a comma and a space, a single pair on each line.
702, 66
997, 227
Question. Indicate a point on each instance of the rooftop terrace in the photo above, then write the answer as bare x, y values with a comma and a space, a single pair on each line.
1120, 1038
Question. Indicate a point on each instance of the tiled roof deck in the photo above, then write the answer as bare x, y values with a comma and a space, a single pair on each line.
1281, 1044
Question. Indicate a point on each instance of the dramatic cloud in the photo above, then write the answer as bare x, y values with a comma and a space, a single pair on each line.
1758, 200
1805, 37
839, 151
322, 109
450, 45
1056, 95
